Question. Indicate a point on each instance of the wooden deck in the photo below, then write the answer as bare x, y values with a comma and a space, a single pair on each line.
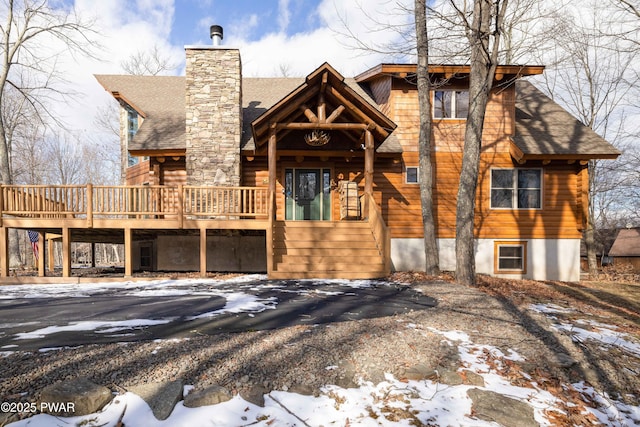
111, 214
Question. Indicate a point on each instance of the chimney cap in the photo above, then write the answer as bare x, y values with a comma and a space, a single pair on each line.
216, 34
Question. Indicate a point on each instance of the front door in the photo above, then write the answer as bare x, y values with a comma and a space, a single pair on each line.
307, 194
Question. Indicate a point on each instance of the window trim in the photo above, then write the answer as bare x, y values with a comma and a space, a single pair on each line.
514, 198
497, 244
406, 175
453, 104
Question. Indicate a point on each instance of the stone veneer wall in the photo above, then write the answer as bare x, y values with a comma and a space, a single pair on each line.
213, 115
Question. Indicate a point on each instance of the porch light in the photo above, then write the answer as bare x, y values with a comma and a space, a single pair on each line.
317, 138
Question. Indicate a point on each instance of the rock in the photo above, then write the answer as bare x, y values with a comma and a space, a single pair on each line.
75, 397
209, 396
161, 397
255, 395
303, 389
490, 406
420, 372
449, 377
346, 375
471, 378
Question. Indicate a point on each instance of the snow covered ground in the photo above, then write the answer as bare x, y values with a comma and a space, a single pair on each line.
389, 403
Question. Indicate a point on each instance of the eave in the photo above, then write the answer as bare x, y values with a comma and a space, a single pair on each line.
447, 71
521, 158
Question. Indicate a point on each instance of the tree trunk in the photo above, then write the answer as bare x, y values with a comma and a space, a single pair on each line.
482, 70
589, 233
426, 167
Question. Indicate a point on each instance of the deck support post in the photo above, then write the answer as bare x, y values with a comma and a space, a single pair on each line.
4, 251
128, 253
368, 169
66, 252
93, 255
203, 252
51, 254
41, 253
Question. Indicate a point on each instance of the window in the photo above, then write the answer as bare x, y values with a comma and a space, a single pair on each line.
450, 104
510, 257
132, 128
412, 176
516, 188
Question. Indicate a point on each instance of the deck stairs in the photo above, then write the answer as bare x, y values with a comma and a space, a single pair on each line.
326, 250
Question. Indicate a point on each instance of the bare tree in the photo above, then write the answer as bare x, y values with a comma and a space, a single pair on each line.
483, 33
426, 166
28, 76
593, 78
149, 63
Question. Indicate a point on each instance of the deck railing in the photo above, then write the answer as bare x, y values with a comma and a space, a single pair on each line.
89, 201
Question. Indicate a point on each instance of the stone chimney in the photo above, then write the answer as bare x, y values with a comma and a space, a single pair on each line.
213, 115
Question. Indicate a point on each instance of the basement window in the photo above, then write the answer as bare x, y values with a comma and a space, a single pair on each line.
510, 257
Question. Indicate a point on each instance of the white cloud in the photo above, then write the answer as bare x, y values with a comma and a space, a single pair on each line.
284, 15
303, 52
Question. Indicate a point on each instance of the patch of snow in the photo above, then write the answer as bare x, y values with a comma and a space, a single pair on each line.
549, 308
97, 326
238, 302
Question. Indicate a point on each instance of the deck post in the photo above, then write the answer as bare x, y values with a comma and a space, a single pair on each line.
51, 254
41, 254
180, 206
89, 205
272, 160
1, 204
203, 252
66, 252
368, 169
4, 251
128, 252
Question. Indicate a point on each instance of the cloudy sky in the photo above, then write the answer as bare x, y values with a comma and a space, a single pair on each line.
273, 35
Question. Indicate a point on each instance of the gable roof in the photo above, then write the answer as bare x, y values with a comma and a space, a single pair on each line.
544, 130
160, 100
340, 104
627, 243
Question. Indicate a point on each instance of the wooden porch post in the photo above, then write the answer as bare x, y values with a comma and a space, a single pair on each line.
203, 252
368, 169
42, 253
66, 252
128, 253
272, 197
4, 251
272, 160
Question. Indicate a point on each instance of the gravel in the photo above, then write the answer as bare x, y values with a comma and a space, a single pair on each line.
304, 358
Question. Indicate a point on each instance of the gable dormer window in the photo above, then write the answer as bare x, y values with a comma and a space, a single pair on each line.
450, 104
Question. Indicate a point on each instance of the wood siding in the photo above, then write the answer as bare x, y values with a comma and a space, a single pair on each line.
448, 134
138, 174
400, 202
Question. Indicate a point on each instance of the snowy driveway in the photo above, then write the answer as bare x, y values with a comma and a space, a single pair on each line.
50, 316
